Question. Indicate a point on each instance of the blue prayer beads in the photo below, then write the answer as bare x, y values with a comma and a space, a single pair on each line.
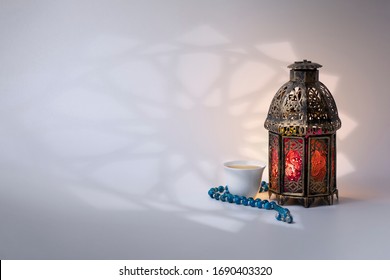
222, 193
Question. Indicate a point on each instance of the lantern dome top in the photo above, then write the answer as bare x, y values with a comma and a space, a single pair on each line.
304, 65
304, 105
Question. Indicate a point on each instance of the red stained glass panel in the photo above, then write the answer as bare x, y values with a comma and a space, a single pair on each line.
274, 162
318, 165
293, 165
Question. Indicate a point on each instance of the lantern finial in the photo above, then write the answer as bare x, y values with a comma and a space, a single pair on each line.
304, 65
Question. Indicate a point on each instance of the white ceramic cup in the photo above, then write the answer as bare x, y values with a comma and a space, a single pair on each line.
243, 177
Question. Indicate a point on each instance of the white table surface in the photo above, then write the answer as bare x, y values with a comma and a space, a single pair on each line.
63, 226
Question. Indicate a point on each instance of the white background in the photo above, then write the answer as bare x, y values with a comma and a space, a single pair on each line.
116, 117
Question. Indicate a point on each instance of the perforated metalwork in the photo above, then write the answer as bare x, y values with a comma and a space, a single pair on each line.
303, 106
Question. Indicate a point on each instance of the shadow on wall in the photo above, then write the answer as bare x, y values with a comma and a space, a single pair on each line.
146, 127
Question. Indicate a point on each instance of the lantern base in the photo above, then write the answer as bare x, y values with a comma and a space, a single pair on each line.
307, 200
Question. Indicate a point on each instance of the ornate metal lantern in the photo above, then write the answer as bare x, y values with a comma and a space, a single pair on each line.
302, 123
